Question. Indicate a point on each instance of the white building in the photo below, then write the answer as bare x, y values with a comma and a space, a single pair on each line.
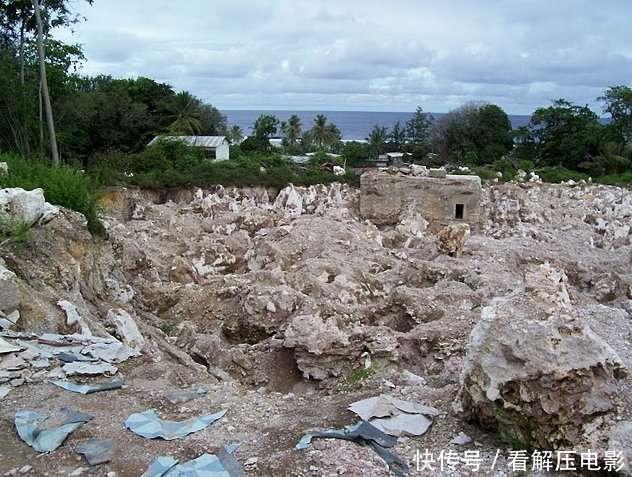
215, 147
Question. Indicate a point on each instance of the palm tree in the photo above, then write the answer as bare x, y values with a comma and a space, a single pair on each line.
186, 114
292, 130
377, 139
235, 134
319, 130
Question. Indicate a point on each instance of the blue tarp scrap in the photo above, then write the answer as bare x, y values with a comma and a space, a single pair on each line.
207, 465
89, 388
32, 429
149, 425
363, 433
96, 451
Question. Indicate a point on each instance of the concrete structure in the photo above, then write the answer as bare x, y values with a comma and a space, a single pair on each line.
215, 147
441, 200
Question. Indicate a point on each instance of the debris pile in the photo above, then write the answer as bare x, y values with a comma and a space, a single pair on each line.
535, 371
287, 309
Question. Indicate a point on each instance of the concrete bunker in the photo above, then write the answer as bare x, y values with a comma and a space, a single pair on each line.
441, 199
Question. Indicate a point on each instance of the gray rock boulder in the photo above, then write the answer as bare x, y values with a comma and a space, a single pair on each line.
26, 206
534, 371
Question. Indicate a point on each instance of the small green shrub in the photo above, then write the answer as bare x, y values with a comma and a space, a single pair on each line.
356, 379
62, 186
557, 174
12, 231
166, 165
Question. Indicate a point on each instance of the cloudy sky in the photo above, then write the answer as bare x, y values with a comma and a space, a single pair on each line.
367, 55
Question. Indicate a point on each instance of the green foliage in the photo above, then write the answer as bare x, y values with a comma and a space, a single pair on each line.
618, 103
12, 231
476, 133
355, 153
292, 132
557, 174
356, 379
563, 134
265, 126
377, 139
64, 186
418, 128
173, 164
323, 135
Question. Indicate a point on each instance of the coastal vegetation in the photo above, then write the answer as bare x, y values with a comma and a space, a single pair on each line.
99, 128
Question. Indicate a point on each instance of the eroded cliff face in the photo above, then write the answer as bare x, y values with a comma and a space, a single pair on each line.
288, 306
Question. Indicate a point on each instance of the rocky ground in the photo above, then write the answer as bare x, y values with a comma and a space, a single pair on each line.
286, 307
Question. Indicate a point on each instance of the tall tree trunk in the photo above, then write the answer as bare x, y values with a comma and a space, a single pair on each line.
52, 137
41, 122
22, 28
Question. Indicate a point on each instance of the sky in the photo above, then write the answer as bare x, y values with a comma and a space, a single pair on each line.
364, 55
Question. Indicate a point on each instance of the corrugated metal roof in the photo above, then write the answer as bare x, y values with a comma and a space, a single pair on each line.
197, 141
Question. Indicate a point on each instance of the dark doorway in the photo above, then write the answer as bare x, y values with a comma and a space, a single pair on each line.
459, 210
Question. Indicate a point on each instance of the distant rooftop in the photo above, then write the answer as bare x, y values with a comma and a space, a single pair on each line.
197, 141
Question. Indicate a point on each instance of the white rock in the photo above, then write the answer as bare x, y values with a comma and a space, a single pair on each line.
339, 171
126, 328
461, 439
26, 206
73, 318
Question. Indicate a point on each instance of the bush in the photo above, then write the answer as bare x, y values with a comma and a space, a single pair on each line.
12, 231
557, 174
177, 165
62, 186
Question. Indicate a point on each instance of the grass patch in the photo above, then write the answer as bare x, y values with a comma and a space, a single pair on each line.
64, 186
356, 379
13, 231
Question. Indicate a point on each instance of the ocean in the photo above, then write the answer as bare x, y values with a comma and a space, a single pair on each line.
352, 124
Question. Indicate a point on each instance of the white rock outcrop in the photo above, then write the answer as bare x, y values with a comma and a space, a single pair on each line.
25, 206
534, 371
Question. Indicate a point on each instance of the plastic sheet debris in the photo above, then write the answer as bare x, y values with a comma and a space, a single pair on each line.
89, 388
395, 416
160, 466
13, 362
96, 451
363, 433
6, 347
45, 434
78, 367
403, 424
207, 465
385, 405
179, 397
461, 439
147, 424
71, 357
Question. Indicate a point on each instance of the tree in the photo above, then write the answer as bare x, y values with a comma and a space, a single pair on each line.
398, 136
187, 114
418, 127
377, 138
565, 134
618, 103
52, 137
235, 134
292, 131
324, 135
478, 132
212, 121
266, 126
319, 130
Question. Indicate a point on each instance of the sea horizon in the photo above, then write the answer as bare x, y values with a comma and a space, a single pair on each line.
352, 124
